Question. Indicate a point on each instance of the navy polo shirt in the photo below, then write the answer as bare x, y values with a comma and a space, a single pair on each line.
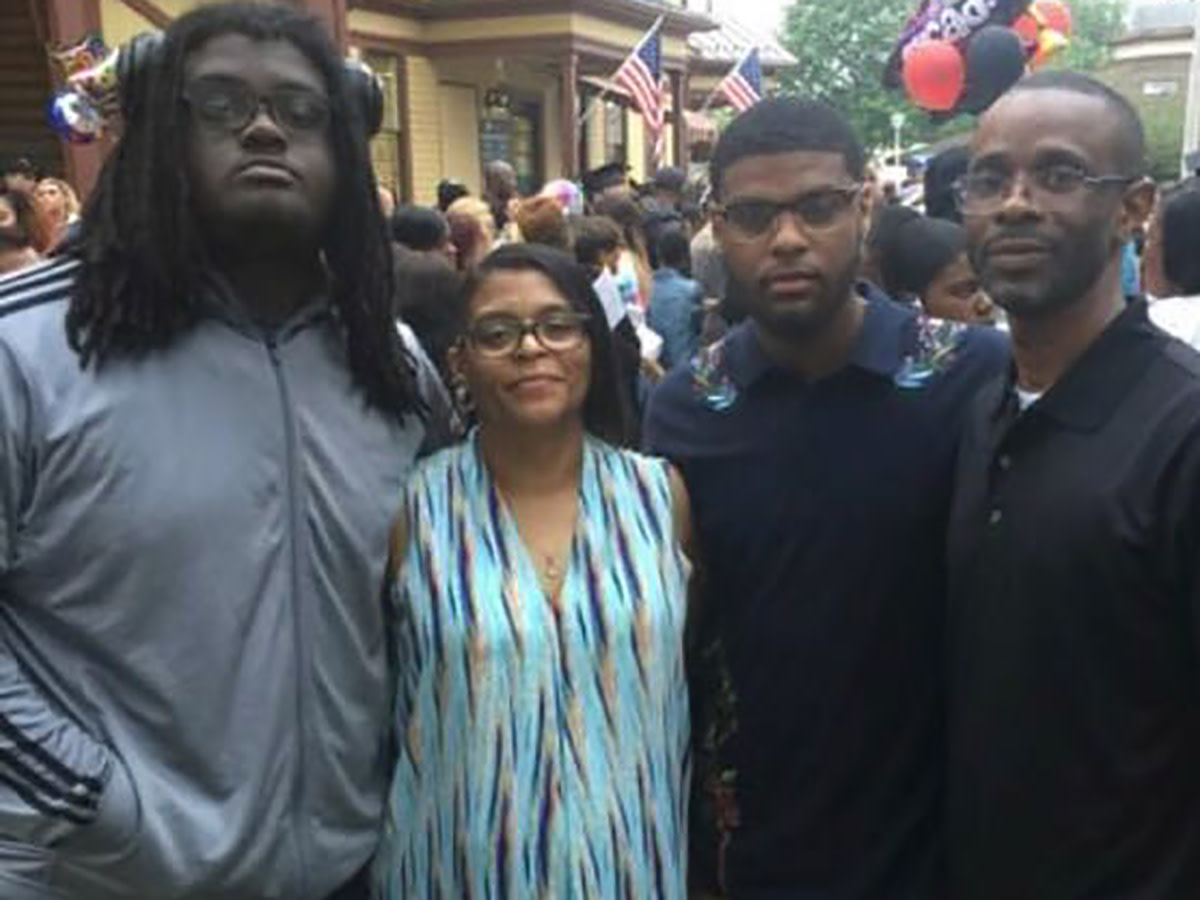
821, 511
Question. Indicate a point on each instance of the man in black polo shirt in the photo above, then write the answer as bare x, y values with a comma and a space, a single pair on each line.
818, 443
1074, 764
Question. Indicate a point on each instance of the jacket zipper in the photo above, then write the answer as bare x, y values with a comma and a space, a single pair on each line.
295, 528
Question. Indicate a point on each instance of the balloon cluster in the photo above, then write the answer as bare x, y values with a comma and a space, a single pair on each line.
959, 56
80, 111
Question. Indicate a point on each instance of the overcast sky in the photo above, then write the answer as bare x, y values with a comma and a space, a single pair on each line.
762, 15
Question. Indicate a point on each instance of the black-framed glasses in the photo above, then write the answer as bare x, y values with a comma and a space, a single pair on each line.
501, 335
232, 105
755, 219
982, 193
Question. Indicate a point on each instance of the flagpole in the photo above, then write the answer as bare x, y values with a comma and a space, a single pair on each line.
599, 98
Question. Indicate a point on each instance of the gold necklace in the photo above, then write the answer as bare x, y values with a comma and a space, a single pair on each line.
551, 574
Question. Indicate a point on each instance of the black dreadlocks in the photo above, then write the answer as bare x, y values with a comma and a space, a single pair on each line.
144, 257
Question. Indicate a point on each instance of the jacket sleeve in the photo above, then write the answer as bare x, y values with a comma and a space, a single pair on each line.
57, 783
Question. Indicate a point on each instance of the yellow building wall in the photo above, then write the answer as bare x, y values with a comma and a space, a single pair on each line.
364, 22
120, 24
459, 108
423, 126
552, 148
636, 146
595, 140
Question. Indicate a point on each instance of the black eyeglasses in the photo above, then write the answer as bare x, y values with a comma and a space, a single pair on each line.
982, 193
501, 335
230, 104
820, 209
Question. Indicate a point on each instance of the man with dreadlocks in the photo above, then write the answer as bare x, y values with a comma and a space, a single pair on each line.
205, 418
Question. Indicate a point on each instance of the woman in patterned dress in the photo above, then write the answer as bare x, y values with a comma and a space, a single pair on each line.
539, 597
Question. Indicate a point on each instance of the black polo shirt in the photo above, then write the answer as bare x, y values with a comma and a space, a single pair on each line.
821, 513
1074, 765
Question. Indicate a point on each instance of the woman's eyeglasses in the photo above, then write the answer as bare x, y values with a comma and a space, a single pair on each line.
230, 104
501, 335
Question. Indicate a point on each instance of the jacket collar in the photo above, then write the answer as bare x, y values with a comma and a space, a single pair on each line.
221, 302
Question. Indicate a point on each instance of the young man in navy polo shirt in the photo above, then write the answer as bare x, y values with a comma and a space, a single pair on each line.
818, 443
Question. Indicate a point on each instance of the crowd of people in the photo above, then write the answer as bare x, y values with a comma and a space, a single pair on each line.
749, 538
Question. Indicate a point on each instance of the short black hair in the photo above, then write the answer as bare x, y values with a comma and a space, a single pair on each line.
785, 125
449, 190
674, 249
1130, 146
605, 413
419, 228
941, 173
20, 165
1180, 238
916, 252
594, 237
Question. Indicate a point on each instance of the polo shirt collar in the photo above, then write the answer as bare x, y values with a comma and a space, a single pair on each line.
878, 349
1091, 390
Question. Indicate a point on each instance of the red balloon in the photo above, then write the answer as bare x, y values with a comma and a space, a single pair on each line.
934, 75
1027, 28
1054, 14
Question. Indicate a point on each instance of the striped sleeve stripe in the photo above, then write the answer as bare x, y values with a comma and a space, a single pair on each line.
29, 287
39, 804
42, 772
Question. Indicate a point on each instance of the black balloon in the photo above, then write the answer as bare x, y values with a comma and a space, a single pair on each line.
995, 62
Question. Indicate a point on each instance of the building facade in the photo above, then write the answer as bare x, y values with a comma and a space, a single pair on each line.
1150, 65
465, 81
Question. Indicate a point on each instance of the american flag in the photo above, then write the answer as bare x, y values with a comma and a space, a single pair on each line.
641, 76
743, 86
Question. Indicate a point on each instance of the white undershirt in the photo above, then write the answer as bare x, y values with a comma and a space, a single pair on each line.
1027, 398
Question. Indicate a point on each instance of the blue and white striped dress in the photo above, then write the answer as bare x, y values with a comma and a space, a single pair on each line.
544, 744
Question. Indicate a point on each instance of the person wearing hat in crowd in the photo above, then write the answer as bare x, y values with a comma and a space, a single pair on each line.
501, 193
605, 183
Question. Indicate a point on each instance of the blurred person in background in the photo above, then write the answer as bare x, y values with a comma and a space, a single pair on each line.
59, 206
449, 190
541, 220
426, 288
19, 174
925, 260
472, 230
605, 183
423, 230
501, 193
677, 302
19, 226
634, 273
1177, 310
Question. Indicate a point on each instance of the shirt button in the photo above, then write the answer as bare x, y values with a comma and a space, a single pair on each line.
995, 517
1005, 462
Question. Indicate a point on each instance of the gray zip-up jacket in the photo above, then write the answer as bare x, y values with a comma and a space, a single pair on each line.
193, 677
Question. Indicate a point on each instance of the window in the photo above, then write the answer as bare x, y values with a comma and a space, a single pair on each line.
387, 147
616, 133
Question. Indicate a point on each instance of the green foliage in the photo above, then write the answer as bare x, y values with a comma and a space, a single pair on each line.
843, 45
1095, 24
